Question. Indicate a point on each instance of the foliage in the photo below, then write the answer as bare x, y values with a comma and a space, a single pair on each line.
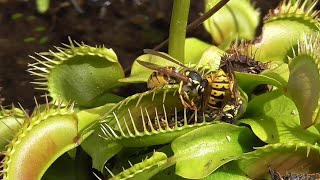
275, 128
42, 5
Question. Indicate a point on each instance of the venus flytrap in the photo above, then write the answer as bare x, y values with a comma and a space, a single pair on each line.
238, 16
79, 73
11, 121
54, 129
284, 28
284, 158
143, 170
304, 81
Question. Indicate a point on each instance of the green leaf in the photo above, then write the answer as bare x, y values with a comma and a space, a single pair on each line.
194, 48
83, 78
211, 58
274, 118
127, 115
69, 168
201, 151
277, 75
280, 73
304, 89
104, 99
128, 122
236, 20
140, 73
99, 149
283, 30
145, 169
168, 173
63, 168
304, 81
248, 82
42, 5
79, 74
89, 118
289, 157
16, 16
40, 140
230, 170
10, 122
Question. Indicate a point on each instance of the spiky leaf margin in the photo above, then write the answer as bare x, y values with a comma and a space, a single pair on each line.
42, 138
236, 20
304, 80
76, 73
10, 122
143, 170
283, 28
284, 158
132, 121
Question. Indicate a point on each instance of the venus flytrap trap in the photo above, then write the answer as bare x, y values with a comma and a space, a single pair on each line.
143, 170
200, 152
238, 16
11, 121
288, 157
284, 28
79, 73
54, 129
304, 77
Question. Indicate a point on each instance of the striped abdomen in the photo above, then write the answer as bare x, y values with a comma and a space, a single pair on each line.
159, 79
220, 88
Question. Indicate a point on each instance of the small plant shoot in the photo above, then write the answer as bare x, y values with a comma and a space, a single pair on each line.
245, 107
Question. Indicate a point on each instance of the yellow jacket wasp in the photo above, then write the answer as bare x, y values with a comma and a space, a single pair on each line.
217, 92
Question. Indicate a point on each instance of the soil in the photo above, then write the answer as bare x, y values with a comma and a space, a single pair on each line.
127, 26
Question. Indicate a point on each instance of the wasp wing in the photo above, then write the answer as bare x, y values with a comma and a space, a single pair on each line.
233, 82
206, 96
149, 65
164, 70
166, 57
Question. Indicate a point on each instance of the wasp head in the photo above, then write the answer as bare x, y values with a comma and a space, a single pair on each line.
195, 83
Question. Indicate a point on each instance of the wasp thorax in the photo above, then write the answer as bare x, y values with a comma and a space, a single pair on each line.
194, 78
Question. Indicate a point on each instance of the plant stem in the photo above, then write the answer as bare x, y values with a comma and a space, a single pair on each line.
178, 25
198, 21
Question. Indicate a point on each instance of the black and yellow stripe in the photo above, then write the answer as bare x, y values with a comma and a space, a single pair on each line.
220, 86
159, 79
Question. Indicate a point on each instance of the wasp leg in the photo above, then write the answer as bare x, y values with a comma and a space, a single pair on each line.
187, 102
